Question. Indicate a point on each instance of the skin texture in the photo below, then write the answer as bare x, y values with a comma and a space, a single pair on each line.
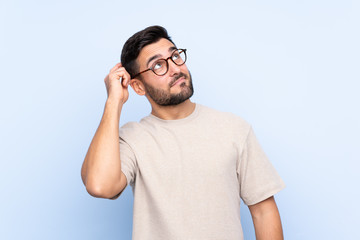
266, 220
101, 169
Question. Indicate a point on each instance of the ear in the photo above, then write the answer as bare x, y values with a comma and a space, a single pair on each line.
138, 86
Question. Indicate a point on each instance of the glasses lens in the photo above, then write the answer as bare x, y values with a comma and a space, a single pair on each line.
179, 57
160, 67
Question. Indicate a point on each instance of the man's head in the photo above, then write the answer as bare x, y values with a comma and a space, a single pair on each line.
137, 42
142, 52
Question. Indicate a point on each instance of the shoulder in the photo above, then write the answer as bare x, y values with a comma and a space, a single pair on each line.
223, 118
227, 124
130, 126
129, 130
136, 130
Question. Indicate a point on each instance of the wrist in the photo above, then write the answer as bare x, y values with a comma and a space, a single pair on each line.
114, 105
116, 102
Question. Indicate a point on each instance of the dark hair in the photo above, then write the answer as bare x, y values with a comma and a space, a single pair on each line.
137, 42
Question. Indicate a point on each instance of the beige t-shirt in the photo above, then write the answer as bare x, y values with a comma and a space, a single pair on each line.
188, 175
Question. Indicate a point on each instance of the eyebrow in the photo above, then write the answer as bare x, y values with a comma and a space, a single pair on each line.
171, 49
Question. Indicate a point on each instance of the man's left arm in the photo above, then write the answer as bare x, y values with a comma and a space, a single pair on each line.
266, 219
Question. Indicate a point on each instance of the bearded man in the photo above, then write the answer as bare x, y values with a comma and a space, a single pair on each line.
188, 165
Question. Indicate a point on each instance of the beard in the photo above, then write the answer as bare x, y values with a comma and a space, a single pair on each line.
164, 98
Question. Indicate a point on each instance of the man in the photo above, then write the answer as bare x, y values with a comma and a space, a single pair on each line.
188, 164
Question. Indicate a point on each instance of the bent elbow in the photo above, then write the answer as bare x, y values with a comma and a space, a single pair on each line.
99, 191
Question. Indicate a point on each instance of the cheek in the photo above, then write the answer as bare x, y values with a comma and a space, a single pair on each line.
163, 80
185, 70
161, 83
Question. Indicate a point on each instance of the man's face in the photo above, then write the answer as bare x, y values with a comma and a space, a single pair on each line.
170, 89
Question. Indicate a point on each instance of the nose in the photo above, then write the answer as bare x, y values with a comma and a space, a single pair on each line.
173, 68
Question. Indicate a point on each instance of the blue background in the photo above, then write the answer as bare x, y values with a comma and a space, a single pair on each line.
290, 68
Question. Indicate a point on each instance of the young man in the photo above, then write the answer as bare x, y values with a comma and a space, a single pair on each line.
188, 165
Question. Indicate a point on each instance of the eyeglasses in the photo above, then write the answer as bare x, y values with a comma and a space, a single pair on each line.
161, 66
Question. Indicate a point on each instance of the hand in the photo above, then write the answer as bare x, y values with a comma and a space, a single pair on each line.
117, 82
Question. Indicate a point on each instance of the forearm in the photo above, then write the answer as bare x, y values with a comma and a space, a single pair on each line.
101, 170
267, 220
268, 227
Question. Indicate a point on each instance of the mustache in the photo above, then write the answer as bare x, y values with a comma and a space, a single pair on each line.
181, 74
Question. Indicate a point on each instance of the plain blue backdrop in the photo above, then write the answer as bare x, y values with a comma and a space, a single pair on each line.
290, 68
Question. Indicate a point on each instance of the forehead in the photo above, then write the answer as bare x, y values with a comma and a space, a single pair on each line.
161, 49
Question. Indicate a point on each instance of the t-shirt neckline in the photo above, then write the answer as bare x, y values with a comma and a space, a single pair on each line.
177, 121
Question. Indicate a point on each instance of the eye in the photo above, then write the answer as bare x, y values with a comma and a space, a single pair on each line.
157, 65
175, 56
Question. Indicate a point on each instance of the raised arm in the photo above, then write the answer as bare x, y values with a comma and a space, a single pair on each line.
266, 220
101, 169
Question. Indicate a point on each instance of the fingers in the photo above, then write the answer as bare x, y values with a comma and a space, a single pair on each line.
124, 77
120, 74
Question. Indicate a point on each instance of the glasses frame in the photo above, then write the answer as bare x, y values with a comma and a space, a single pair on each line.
167, 63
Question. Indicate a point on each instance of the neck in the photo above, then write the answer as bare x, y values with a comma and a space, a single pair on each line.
179, 111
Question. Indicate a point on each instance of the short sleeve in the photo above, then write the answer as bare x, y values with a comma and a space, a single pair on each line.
258, 179
128, 161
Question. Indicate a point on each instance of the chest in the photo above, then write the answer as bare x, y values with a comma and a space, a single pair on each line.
186, 154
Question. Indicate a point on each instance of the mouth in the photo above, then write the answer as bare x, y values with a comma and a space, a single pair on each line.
178, 80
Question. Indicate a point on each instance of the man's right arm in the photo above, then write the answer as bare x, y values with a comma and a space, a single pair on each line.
101, 170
